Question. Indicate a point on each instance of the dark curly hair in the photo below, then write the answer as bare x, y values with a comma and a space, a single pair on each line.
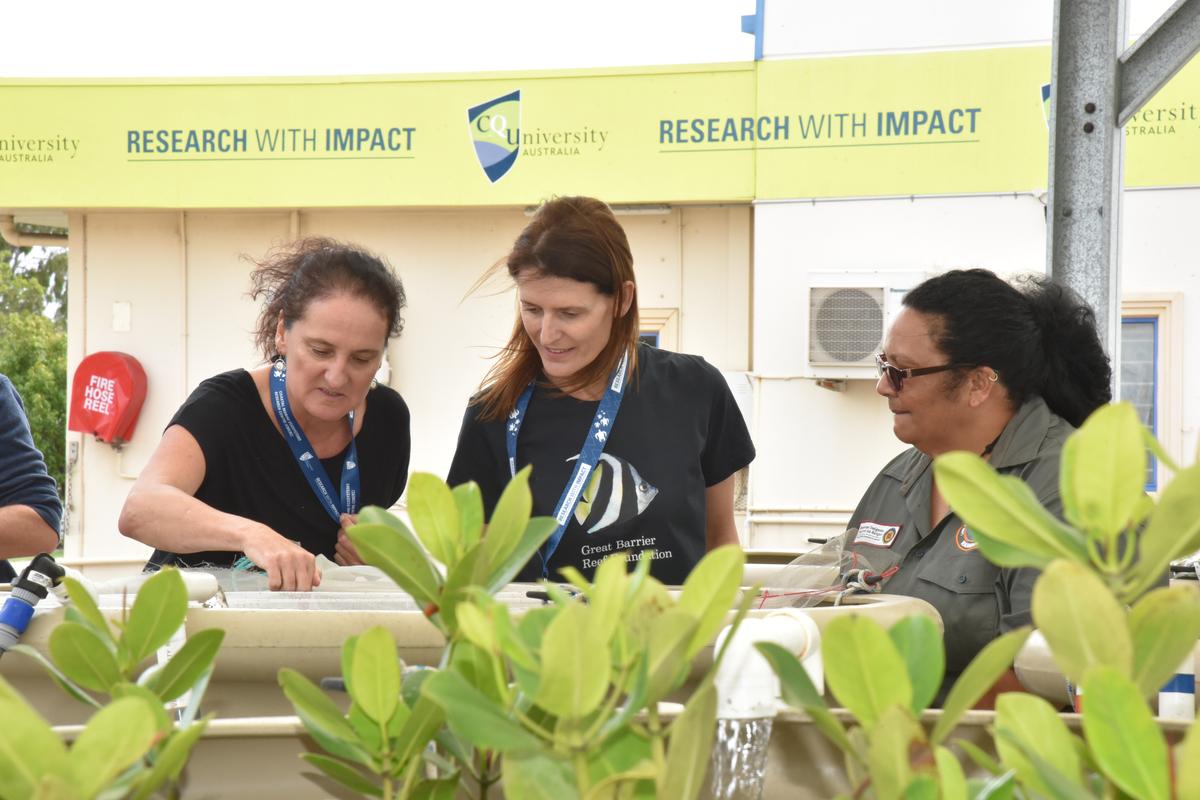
292, 276
1038, 335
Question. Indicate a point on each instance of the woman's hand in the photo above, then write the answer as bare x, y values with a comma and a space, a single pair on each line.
289, 567
345, 553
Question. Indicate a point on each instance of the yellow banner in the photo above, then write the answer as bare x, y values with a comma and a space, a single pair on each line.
930, 123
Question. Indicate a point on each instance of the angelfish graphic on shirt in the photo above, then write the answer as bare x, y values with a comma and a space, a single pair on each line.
615, 493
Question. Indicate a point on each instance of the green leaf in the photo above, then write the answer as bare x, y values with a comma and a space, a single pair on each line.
1057, 784
710, 591
476, 627
475, 717
1082, 622
434, 515
635, 701
922, 787
347, 660
887, 754
1172, 532
28, 746
65, 683
400, 557
796, 687
441, 789
607, 596
1187, 764
623, 752
508, 523
343, 773
171, 759
575, 665
669, 636
863, 668
1160, 452
1123, 736
538, 777
1165, 625
690, 747
1032, 721
421, 726
469, 501
537, 531
115, 737
84, 657
919, 643
84, 605
186, 666
376, 674
56, 787
315, 709
1103, 472
162, 722
158, 611
950, 773
979, 758
979, 676
1011, 526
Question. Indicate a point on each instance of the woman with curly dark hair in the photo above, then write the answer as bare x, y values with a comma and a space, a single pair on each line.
267, 467
1006, 370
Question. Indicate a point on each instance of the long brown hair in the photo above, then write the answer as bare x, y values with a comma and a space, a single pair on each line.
569, 237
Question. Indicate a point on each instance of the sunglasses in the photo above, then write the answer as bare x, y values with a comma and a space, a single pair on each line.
896, 376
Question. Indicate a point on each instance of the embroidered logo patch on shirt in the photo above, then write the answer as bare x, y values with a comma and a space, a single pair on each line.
965, 539
874, 534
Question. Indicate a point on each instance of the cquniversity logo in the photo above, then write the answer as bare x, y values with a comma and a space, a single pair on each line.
496, 133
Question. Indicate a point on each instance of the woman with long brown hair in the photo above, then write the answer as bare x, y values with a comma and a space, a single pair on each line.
661, 434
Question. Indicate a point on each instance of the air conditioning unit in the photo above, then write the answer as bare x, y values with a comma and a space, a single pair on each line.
847, 316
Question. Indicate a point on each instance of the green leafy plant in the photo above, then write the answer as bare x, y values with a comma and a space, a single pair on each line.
89, 658
1113, 548
558, 702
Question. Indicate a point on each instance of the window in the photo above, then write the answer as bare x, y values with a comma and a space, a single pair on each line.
1151, 372
660, 327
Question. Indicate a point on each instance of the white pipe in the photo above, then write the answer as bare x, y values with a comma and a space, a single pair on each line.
747, 687
10, 234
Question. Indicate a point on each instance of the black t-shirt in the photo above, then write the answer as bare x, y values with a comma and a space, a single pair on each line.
251, 472
678, 431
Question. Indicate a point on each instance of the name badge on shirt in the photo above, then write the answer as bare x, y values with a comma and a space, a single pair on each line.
873, 534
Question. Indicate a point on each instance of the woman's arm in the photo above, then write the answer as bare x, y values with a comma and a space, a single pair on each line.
720, 529
161, 511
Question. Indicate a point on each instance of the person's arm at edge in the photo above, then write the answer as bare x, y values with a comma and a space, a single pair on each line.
25, 533
719, 526
162, 512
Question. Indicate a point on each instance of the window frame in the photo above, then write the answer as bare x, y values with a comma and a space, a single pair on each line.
1165, 310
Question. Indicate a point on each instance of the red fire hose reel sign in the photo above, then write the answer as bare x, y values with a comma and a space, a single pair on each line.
107, 395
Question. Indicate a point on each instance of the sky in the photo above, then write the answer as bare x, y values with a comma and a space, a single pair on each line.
224, 38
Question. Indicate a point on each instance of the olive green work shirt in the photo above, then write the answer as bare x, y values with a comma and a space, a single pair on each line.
943, 566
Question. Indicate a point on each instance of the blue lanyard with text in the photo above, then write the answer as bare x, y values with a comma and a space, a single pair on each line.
310, 465
593, 446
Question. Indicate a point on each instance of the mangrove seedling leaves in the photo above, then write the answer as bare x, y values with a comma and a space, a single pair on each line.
796, 687
863, 668
155, 703
84, 657
171, 759
400, 557
1172, 532
950, 773
575, 665
1082, 621
922, 787
434, 515
84, 607
419, 728
919, 643
710, 591
538, 776
887, 753
375, 674
439, 789
1011, 526
1165, 625
187, 665
1187, 764
476, 627
469, 501
1033, 722
508, 522
1123, 736
114, 738
28, 746
343, 773
537, 531
475, 717
158, 611
667, 644
321, 717
1103, 472
690, 747
979, 676
606, 597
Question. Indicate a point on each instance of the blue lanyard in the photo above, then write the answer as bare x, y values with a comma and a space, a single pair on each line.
310, 465
593, 446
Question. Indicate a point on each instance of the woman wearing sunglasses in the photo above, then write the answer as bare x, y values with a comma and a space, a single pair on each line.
1007, 371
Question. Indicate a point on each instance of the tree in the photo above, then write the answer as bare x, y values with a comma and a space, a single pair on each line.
33, 343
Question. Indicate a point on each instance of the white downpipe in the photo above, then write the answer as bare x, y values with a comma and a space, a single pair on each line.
747, 687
